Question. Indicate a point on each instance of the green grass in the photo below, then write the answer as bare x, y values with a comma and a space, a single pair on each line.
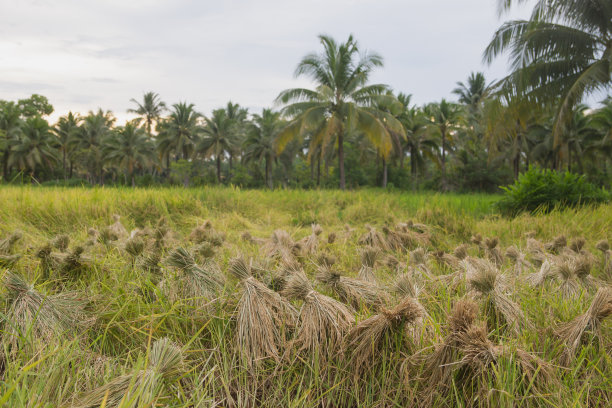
126, 322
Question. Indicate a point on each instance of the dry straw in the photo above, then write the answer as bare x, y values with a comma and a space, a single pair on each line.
403, 238
117, 229
45, 317
7, 244
281, 246
556, 245
544, 274
519, 259
262, 316
352, 291
369, 255
604, 247
365, 342
374, 238
492, 251
206, 233
197, 281
323, 321
488, 284
61, 242
572, 333
247, 237
165, 364
309, 244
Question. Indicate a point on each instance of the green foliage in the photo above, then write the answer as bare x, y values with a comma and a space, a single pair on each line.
544, 190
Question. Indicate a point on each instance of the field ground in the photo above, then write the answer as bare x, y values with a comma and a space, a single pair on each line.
126, 312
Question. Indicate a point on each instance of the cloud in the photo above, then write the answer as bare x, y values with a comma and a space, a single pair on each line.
83, 54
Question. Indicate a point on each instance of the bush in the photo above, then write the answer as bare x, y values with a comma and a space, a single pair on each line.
543, 190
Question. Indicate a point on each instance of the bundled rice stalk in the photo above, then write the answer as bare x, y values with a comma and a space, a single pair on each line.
352, 291
92, 237
331, 238
205, 250
404, 287
151, 263
134, 246
262, 316
545, 273
577, 245
206, 233
7, 261
402, 240
143, 388
572, 271
45, 317
323, 321
308, 245
367, 339
69, 264
374, 239
572, 333
199, 281
488, 284
7, 244
369, 256
604, 247
416, 226
519, 259
493, 252
107, 236
247, 237
280, 246
556, 245
60, 242
418, 260
438, 365
117, 229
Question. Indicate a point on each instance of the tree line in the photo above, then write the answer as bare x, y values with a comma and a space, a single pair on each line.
347, 131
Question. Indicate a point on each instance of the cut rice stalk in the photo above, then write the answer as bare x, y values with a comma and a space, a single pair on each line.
519, 259
369, 255
323, 321
200, 281
262, 317
7, 244
352, 291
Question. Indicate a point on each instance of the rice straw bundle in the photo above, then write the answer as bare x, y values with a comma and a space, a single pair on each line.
367, 339
134, 246
519, 259
262, 316
106, 236
369, 256
326, 259
352, 291
323, 321
488, 284
415, 226
418, 259
309, 244
45, 317
572, 333
374, 238
151, 262
8, 261
476, 239
331, 238
280, 246
402, 240
604, 247
145, 387
60, 242
577, 245
405, 287
556, 245
247, 237
7, 244
198, 280
206, 233
70, 264
117, 229
438, 365
205, 250
546, 272
492, 251
93, 237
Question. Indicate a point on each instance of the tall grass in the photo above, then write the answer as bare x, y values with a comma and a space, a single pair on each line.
126, 310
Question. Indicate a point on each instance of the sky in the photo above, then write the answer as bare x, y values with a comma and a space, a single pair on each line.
86, 54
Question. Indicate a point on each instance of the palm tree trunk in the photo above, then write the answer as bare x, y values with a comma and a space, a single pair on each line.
384, 179
71, 168
443, 165
341, 159
64, 162
219, 168
318, 170
401, 153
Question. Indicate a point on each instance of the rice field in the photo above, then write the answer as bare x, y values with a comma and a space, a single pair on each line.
220, 297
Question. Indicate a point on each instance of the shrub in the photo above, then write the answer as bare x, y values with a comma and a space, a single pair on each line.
543, 190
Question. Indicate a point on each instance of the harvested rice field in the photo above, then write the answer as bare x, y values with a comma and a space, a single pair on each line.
218, 297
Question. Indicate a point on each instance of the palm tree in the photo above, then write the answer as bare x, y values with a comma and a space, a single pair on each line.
341, 102
129, 147
238, 115
149, 110
94, 130
259, 143
444, 119
67, 129
179, 132
217, 137
419, 142
473, 92
391, 107
35, 148
563, 51
10, 130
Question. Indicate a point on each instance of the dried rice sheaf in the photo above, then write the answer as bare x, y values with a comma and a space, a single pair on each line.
263, 317
369, 255
323, 321
196, 281
521, 264
352, 291
165, 364
7, 244
572, 333
366, 340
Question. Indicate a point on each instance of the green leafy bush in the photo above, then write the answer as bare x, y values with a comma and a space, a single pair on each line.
543, 190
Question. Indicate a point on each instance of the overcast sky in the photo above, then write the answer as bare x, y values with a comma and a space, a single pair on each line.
85, 54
